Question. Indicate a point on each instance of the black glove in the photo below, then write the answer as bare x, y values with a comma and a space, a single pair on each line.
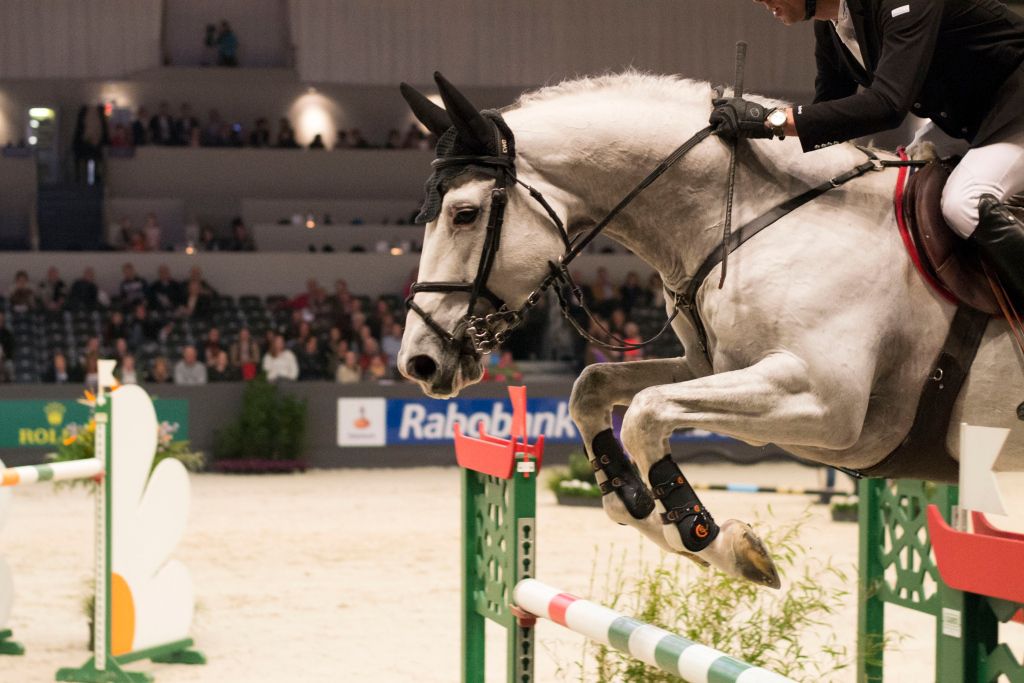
735, 117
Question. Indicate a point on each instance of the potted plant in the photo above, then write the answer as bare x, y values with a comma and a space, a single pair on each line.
575, 484
844, 510
269, 435
80, 443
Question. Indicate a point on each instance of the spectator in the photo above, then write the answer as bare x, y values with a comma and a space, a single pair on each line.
301, 302
377, 369
84, 293
227, 46
245, 355
90, 137
141, 327
299, 334
617, 321
391, 344
341, 140
164, 293
121, 137
90, 358
604, 292
116, 328
161, 126
506, 370
311, 361
124, 232
140, 128
198, 304
317, 142
212, 347
160, 372
356, 140
137, 242
656, 291
394, 139
119, 349
370, 349
240, 238
285, 135
195, 273
260, 135
126, 372
208, 240
214, 133
632, 293
133, 287
52, 291
221, 370
234, 134
184, 126
151, 232
188, 370
336, 357
20, 297
59, 373
631, 335
414, 137
6, 349
279, 362
349, 372
595, 352
209, 46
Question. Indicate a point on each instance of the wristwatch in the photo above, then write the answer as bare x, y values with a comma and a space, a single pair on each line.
776, 121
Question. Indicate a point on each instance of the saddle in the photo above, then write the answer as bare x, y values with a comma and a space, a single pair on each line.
951, 261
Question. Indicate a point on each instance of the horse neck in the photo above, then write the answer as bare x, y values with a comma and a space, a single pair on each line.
594, 157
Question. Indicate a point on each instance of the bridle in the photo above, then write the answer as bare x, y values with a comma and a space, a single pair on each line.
482, 334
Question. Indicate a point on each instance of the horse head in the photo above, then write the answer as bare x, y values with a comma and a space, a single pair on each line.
486, 247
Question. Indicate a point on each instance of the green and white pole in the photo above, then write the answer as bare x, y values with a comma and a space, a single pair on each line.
657, 647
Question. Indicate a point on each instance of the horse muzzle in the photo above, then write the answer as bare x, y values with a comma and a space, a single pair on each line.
443, 372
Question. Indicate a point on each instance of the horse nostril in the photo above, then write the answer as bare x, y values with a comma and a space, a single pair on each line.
422, 367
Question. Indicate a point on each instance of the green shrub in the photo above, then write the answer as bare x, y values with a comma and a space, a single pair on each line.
272, 426
761, 627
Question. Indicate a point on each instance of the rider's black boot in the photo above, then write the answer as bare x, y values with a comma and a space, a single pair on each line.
1000, 237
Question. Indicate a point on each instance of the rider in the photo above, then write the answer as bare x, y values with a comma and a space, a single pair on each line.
956, 62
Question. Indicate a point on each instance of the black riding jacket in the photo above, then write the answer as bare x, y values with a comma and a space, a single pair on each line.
947, 60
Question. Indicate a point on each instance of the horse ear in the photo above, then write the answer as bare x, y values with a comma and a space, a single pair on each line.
429, 114
473, 128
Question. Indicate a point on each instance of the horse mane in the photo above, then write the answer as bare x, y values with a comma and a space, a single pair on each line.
693, 95
634, 81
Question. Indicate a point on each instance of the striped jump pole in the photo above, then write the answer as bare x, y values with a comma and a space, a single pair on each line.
57, 471
754, 488
693, 662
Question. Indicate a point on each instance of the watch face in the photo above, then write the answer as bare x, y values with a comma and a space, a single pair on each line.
777, 118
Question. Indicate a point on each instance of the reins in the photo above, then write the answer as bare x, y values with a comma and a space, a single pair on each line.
485, 333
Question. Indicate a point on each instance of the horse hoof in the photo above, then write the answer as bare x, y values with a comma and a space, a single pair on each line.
750, 557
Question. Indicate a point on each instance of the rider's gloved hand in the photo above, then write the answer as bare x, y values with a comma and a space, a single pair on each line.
735, 117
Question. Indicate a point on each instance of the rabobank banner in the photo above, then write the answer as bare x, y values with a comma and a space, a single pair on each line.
427, 421
378, 421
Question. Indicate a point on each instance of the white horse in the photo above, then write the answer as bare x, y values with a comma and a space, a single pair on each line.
819, 341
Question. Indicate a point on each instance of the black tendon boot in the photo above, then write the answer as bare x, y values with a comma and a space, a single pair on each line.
683, 507
1000, 237
623, 477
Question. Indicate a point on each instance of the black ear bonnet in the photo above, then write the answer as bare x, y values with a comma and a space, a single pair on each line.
491, 157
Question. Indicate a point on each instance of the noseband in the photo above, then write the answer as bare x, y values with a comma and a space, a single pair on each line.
482, 334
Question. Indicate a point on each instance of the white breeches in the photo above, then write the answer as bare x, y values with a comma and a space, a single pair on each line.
996, 168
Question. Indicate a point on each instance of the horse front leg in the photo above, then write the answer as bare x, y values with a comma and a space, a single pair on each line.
775, 400
599, 388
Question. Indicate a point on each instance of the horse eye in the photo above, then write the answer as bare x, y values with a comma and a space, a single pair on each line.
465, 216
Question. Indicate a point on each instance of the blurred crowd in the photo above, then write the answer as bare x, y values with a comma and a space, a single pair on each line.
182, 330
